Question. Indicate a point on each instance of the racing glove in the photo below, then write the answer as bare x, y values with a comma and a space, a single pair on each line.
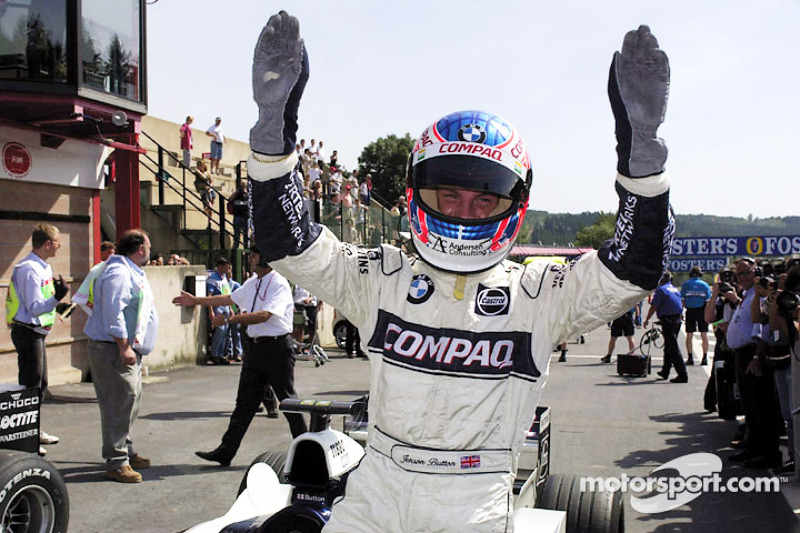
60, 287
280, 73
638, 86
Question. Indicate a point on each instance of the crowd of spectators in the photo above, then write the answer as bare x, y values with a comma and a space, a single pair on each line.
327, 183
337, 198
754, 308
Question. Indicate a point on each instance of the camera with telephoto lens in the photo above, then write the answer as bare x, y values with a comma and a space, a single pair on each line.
724, 287
768, 283
725, 276
787, 302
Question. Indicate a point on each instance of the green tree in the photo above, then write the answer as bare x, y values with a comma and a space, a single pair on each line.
596, 234
386, 160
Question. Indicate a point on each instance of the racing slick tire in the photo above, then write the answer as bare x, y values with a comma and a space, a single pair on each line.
33, 496
587, 512
274, 460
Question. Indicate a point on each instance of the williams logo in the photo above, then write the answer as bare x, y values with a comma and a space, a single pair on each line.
492, 301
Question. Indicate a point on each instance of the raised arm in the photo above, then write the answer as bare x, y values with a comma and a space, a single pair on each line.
638, 87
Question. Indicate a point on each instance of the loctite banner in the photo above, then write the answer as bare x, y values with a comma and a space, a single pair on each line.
19, 420
736, 246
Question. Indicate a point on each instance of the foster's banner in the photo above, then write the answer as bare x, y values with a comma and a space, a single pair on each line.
728, 246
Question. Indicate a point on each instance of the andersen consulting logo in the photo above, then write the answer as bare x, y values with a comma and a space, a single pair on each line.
677, 483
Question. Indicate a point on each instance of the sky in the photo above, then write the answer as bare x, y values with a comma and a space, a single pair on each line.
380, 67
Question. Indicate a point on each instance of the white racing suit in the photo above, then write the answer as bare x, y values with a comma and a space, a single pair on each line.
456, 373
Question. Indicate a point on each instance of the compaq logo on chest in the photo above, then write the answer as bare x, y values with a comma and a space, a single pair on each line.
451, 351
492, 301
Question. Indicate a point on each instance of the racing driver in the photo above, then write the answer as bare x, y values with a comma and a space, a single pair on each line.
459, 340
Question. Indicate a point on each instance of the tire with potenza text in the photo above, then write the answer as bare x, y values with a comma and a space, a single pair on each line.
33, 495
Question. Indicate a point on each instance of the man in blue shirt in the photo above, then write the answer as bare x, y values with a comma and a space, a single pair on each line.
695, 293
216, 284
122, 328
667, 304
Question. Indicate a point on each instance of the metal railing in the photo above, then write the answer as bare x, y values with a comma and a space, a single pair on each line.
189, 197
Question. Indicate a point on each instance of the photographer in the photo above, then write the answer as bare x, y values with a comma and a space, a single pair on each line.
757, 389
718, 312
783, 322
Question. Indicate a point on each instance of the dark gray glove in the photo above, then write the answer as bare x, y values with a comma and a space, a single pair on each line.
280, 72
60, 287
638, 87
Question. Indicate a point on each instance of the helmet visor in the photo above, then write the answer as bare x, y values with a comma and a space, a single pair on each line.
466, 188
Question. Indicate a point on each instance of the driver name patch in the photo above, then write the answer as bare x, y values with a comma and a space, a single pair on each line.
421, 289
492, 301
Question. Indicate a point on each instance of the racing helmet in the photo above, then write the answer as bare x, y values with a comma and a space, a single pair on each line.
467, 185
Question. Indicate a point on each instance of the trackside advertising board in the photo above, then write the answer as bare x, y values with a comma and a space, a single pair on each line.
19, 419
735, 246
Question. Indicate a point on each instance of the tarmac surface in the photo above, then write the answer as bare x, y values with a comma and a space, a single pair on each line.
602, 425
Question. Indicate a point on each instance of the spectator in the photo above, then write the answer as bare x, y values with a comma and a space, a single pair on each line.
719, 310
156, 259
306, 161
365, 191
218, 139
637, 317
267, 301
233, 347
335, 187
563, 348
186, 141
622, 325
204, 184
667, 303
313, 148
347, 202
122, 329
352, 344
217, 284
334, 162
239, 207
321, 155
33, 296
107, 249
695, 293
314, 173
315, 197
757, 391
783, 320
302, 299
350, 232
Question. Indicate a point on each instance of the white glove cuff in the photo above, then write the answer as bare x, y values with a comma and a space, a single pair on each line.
648, 187
263, 167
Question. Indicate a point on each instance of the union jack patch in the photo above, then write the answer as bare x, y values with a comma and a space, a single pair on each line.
470, 461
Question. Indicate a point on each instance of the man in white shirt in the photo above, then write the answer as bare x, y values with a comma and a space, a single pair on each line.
217, 140
267, 310
31, 303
